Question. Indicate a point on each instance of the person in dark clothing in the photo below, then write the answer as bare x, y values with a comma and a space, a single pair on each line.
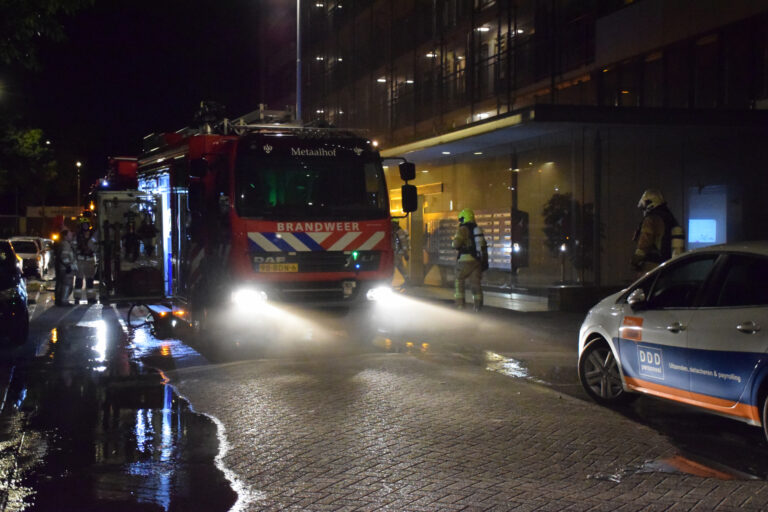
659, 237
66, 266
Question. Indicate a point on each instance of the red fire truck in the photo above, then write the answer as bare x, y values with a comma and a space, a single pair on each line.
269, 211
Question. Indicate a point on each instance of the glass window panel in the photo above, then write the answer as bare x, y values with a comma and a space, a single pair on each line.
678, 76
678, 286
744, 282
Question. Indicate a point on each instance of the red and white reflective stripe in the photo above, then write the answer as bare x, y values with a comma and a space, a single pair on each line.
324, 241
344, 242
372, 241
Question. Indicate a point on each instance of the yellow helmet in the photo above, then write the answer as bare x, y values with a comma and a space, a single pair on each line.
466, 215
651, 198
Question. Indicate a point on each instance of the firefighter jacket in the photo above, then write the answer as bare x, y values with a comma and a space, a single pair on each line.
470, 242
85, 244
656, 236
65, 258
400, 241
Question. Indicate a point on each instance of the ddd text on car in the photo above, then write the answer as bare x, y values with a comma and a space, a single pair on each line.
694, 330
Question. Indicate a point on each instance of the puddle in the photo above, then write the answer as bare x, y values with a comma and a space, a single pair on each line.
88, 426
677, 464
509, 367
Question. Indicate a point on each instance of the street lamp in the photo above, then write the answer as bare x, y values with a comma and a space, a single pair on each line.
298, 61
78, 165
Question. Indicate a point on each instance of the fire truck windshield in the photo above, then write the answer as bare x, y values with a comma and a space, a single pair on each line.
295, 188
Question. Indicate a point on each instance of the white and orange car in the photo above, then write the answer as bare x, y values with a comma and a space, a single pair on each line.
694, 330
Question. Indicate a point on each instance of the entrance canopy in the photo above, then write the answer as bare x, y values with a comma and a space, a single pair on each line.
496, 135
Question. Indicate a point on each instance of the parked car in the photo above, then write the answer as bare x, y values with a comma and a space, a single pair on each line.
694, 330
14, 315
8, 246
46, 247
29, 250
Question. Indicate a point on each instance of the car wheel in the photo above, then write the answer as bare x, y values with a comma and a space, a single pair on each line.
599, 374
764, 416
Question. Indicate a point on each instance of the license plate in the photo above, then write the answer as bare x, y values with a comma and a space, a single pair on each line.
278, 267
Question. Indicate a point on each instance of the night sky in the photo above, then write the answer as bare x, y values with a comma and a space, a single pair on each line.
132, 67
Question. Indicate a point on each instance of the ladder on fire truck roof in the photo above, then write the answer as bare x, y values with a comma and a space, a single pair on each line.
264, 121
211, 122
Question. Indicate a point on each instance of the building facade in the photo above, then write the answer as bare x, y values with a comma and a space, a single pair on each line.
550, 118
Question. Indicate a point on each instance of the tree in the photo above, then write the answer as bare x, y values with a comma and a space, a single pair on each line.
25, 23
27, 165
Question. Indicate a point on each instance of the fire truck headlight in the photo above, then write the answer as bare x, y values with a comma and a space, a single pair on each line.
380, 293
248, 298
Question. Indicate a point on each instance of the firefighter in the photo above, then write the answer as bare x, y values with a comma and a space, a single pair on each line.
659, 237
85, 250
400, 246
472, 258
65, 266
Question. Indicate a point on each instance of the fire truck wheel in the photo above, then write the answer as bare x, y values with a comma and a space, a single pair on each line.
200, 327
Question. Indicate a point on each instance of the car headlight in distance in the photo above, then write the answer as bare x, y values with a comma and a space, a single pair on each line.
247, 298
379, 293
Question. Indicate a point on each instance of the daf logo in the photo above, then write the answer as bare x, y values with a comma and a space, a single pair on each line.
269, 259
267, 148
358, 151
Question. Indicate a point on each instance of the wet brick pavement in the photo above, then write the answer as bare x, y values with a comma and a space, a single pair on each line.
434, 432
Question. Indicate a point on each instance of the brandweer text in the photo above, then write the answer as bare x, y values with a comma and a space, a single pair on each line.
318, 226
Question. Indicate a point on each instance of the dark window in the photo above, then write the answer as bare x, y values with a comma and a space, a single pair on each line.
707, 77
740, 71
609, 84
298, 188
629, 85
678, 286
678, 69
745, 281
653, 81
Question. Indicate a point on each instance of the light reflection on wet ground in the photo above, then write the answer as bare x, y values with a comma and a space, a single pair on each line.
677, 464
87, 425
507, 366
141, 446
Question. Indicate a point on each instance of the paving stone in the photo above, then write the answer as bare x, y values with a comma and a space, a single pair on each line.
398, 432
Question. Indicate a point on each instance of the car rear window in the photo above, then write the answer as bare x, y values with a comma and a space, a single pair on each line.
24, 246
